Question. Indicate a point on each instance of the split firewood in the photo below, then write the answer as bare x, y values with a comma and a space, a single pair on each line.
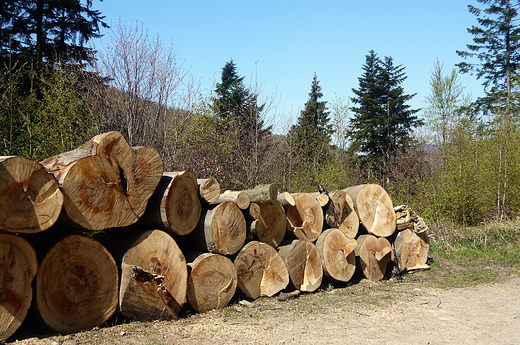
209, 190
212, 282
342, 215
18, 266
337, 254
30, 197
240, 198
374, 254
269, 223
261, 271
221, 229
106, 183
77, 285
305, 218
175, 205
374, 208
153, 278
304, 264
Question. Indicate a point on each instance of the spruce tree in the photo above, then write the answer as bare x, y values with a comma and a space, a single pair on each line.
382, 121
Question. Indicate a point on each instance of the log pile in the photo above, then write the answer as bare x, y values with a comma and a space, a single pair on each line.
115, 232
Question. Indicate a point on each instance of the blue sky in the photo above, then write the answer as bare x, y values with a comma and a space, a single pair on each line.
283, 43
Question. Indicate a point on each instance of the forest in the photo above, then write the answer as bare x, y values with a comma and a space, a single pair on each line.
455, 161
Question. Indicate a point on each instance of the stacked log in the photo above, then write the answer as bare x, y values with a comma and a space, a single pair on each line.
304, 264
337, 254
305, 218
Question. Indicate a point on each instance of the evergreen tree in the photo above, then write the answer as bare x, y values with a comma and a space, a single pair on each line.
496, 44
382, 121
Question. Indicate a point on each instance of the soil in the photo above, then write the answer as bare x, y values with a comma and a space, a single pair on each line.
385, 312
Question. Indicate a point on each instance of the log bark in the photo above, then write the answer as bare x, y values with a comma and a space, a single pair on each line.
342, 215
212, 282
263, 194
240, 198
209, 190
30, 198
175, 205
303, 263
374, 254
77, 285
221, 229
18, 266
261, 271
411, 250
374, 209
106, 183
305, 218
270, 223
153, 278
337, 254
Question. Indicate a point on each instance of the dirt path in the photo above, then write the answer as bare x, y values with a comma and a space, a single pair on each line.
364, 313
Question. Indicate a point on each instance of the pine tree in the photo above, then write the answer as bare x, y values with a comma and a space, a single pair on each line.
497, 46
382, 121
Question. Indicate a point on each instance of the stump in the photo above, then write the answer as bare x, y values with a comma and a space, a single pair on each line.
261, 271
374, 209
77, 285
304, 264
337, 254
305, 218
212, 282
374, 254
153, 278
30, 198
18, 266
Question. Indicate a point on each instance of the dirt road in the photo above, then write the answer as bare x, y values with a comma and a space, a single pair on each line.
363, 313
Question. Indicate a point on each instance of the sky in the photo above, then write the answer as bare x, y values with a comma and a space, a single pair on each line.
280, 45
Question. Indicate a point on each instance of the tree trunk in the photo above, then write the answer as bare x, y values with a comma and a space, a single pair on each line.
175, 204
261, 271
305, 218
270, 223
374, 209
154, 277
212, 282
18, 266
337, 254
265, 194
342, 215
240, 198
77, 285
221, 229
209, 190
374, 254
106, 183
411, 250
30, 198
304, 264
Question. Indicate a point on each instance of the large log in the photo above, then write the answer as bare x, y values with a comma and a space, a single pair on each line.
18, 266
175, 205
221, 229
240, 198
106, 183
270, 223
263, 194
374, 254
212, 282
342, 215
77, 285
30, 198
304, 264
305, 218
337, 254
374, 209
411, 250
153, 278
209, 190
261, 271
